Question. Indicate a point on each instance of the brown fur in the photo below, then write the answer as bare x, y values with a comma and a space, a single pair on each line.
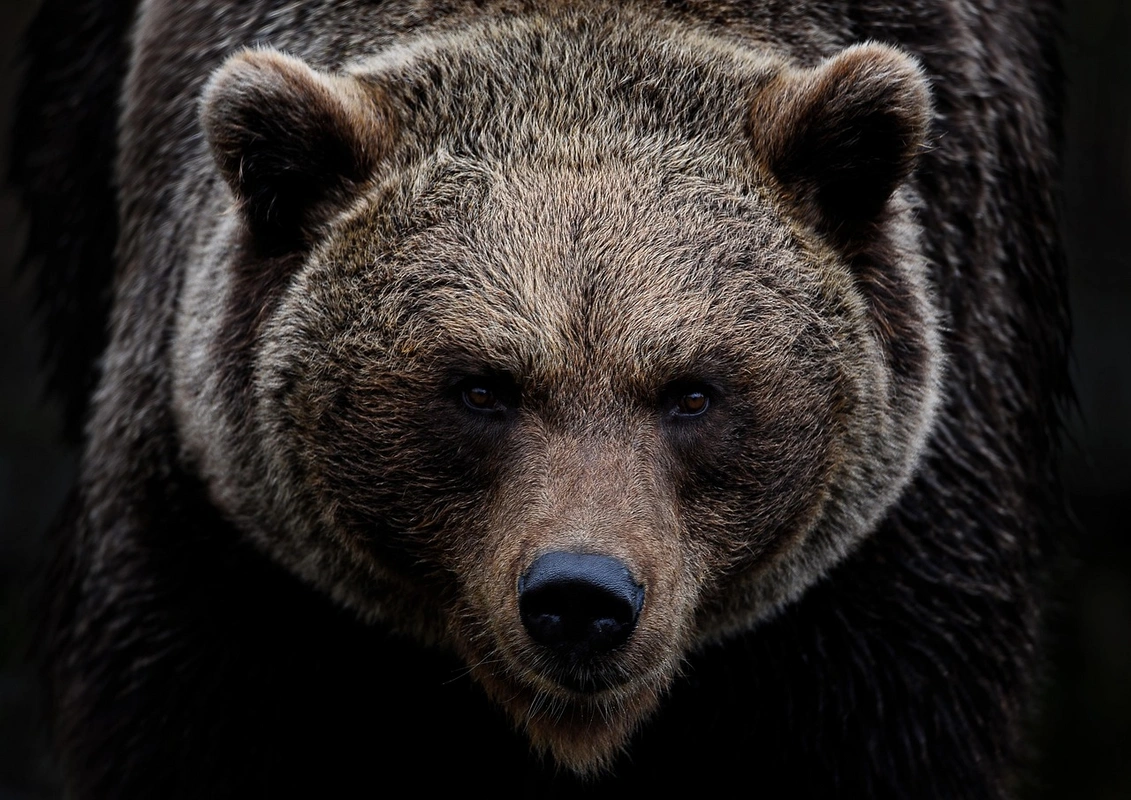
589, 207
592, 268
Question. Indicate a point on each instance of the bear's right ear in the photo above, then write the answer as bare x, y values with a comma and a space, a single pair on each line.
293, 143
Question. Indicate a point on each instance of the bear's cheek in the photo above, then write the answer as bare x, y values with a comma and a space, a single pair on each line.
754, 485
386, 464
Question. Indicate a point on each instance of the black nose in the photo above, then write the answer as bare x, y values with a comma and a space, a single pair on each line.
579, 604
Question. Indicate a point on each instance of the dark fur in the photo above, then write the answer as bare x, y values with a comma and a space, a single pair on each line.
64, 146
185, 662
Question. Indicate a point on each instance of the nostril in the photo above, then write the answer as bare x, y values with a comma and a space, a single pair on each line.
579, 604
568, 611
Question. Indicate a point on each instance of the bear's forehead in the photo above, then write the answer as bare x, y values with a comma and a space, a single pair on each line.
514, 87
573, 194
634, 276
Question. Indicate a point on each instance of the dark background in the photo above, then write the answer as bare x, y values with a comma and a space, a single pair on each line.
1085, 718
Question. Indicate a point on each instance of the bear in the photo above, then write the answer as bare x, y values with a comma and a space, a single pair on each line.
556, 398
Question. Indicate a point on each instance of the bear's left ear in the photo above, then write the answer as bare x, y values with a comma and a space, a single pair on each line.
842, 136
293, 143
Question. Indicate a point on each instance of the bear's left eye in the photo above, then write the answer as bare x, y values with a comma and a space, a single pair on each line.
687, 399
692, 404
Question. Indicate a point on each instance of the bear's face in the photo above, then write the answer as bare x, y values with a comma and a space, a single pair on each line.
572, 390
555, 374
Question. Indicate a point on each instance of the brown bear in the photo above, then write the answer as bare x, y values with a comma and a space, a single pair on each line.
559, 397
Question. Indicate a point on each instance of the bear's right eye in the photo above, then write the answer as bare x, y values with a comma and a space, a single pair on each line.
481, 398
488, 394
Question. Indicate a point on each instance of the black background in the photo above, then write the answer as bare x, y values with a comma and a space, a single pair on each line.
1085, 718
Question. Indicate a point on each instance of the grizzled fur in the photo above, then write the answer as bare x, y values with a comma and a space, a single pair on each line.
292, 560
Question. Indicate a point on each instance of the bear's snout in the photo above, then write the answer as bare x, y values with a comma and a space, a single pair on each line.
579, 605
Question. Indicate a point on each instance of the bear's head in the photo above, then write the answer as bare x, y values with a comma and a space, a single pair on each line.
567, 345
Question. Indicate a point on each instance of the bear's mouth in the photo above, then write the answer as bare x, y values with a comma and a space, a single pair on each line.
579, 699
585, 680
577, 680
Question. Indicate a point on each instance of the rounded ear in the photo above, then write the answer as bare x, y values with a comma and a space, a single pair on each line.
293, 143
842, 136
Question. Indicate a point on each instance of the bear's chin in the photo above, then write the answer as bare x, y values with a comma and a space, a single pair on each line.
582, 732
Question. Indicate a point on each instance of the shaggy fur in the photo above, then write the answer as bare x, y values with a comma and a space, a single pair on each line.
590, 211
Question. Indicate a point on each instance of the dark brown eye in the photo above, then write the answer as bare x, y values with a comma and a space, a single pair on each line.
491, 395
480, 398
692, 404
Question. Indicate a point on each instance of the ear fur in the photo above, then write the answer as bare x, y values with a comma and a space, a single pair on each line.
292, 142
842, 136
